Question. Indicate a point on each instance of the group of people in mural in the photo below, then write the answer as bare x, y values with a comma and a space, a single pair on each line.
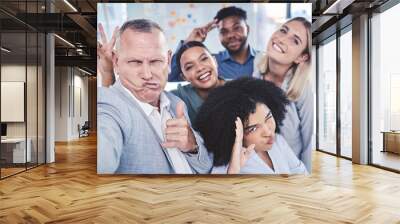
243, 112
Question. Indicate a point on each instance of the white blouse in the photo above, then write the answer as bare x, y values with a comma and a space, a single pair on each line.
297, 127
283, 159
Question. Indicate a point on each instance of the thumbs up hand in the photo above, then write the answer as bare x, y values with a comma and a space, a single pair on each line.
180, 107
178, 133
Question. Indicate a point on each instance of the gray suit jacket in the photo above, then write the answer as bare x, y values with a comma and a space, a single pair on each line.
127, 143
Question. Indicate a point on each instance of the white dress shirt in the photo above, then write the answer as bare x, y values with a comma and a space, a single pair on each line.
158, 121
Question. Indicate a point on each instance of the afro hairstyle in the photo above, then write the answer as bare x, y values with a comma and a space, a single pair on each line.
215, 120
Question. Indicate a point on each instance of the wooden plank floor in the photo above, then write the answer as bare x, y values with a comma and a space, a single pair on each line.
10, 171
388, 159
70, 191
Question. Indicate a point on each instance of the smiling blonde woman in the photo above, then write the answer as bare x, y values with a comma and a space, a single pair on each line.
287, 63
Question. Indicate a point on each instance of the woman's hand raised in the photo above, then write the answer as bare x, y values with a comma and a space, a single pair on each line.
240, 154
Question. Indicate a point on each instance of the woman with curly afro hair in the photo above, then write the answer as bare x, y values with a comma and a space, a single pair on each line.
239, 123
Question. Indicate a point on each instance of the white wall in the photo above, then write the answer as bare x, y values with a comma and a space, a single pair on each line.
17, 73
14, 73
79, 117
70, 84
61, 103
33, 125
12, 101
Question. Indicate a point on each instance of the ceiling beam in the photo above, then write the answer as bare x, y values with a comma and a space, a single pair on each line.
86, 26
337, 7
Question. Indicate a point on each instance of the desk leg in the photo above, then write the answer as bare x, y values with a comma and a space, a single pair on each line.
384, 142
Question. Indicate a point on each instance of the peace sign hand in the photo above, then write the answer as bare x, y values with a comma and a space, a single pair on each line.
199, 34
104, 56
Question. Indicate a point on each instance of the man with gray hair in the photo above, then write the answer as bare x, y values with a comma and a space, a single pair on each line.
143, 129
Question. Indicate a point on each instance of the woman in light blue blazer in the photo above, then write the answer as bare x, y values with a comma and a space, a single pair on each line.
287, 63
254, 146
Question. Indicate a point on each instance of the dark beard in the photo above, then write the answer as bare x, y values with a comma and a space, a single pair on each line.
241, 47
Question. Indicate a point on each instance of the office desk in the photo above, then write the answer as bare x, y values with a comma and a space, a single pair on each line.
15, 148
391, 141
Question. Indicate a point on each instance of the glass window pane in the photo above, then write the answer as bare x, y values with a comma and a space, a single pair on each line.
385, 89
41, 98
31, 97
314, 87
14, 146
346, 94
327, 97
22, 86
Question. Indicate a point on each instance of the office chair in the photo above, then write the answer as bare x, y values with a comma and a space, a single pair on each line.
84, 130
